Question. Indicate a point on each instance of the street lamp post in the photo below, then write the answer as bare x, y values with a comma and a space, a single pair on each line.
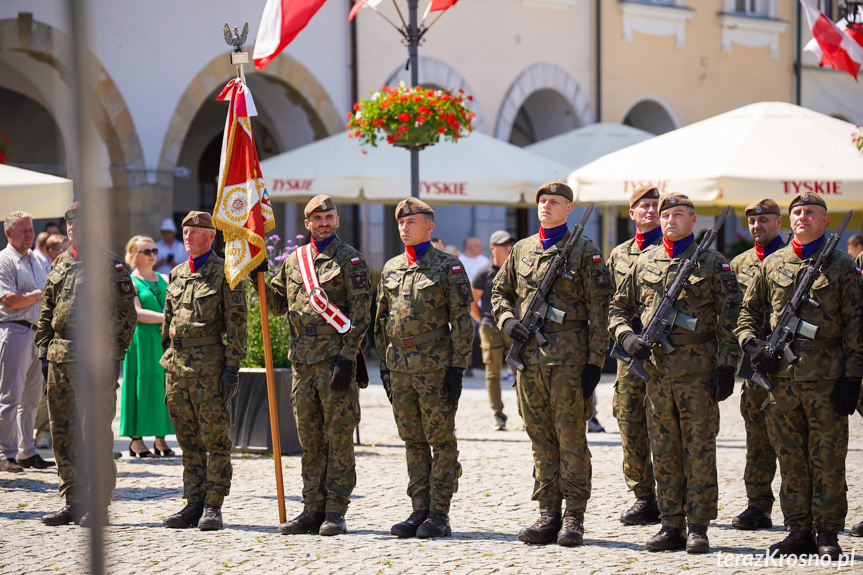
413, 38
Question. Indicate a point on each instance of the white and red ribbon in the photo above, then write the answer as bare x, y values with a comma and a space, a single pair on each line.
317, 296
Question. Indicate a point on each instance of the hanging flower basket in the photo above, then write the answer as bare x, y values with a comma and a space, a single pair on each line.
410, 117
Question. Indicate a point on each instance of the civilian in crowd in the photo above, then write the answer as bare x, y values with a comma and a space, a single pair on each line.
39, 253
472, 257
171, 251
21, 281
142, 408
438, 243
52, 228
452, 250
56, 245
855, 245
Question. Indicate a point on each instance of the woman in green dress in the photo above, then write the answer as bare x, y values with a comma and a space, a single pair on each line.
143, 411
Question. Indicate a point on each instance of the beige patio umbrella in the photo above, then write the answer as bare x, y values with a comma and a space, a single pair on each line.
42, 195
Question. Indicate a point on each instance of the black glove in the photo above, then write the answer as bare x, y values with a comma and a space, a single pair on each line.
758, 356
342, 372
845, 395
388, 384
115, 366
636, 347
589, 378
451, 387
515, 330
45, 369
229, 383
723, 383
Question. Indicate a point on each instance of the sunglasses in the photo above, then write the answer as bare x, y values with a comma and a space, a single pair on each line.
153, 252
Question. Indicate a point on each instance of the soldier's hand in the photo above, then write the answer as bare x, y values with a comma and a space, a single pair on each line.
634, 345
342, 372
723, 383
229, 383
452, 384
45, 369
846, 394
515, 330
760, 357
589, 379
388, 384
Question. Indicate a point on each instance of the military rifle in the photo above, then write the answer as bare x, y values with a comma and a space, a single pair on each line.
539, 310
666, 317
790, 325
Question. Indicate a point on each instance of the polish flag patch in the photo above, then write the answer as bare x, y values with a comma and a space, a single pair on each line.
597, 258
119, 266
456, 269
726, 267
355, 261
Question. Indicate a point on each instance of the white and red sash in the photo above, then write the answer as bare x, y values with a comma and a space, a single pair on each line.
317, 296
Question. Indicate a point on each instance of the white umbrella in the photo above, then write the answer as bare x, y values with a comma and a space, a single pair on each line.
477, 169
768, 149
583, 145
42, 195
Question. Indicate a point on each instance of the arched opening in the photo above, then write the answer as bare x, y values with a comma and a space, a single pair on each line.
34, 137
650, 116
544, 114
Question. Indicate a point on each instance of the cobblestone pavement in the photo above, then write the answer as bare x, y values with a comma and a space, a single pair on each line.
492, 504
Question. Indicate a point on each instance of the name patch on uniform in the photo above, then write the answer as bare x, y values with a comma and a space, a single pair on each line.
785, 272
653, 269
456, 269
355, 261
597, 258
527, 261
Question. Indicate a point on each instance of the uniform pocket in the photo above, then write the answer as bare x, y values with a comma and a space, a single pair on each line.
430, 294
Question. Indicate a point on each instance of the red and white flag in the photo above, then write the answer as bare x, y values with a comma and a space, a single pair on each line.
243, 211
360, 4
441, 5
837, 48
281, 21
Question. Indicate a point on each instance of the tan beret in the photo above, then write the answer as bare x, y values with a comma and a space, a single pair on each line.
554, 189
320, 203
73, 212
642, 192
411, 206
673, 200
762, 207
198, 220
807, 199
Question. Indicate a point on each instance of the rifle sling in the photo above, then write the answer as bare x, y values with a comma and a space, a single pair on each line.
552, 327
691, 338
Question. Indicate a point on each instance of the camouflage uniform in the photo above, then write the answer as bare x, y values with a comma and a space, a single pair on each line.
325, 419
553, 407
203, 331
56, 337
683, 419
760, 455
810, 438
422, 328
629, 393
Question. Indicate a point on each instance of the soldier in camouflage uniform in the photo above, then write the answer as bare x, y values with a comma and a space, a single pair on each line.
629, 391
56, 337
204, 336
558, 379
765, 220
325, 396
807, 415
424, 333
686, 385
857, 529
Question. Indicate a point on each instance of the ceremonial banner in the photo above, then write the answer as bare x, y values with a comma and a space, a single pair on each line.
243, 211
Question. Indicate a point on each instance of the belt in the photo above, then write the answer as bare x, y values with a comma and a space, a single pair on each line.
553, 327
22, 323
316, 330
692, 338
184, 342
427, 337
815, 344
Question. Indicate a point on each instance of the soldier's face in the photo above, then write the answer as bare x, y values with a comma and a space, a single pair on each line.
322, 225
72, 232
645, 214
764, 228
553, 210
415, 230
197, 241
808, 223
20, 235
677, 222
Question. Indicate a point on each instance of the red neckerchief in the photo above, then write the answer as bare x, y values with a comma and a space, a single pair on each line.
806, 249
74, 251
414, 253
647, 240
192, 264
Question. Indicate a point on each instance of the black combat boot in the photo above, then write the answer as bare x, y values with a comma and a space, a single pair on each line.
697, 541
572, 529
334, 524
643, 512
408, 527
544, 530
857, 530
69, 514
752, 518
212, 518
798, 542
828, 544
668, 539
435, 525
187, 517
305, 522
87, 519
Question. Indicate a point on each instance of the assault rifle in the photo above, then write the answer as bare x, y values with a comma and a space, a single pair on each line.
539, 311
790, 325
666, 317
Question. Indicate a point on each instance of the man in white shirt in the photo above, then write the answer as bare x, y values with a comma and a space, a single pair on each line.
39, 251
171, 251
472, 258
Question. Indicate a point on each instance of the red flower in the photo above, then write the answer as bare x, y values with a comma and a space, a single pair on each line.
403, 98
442, 117
348, 115
424, 109
418, 99
356, 106
470, 98
460, 91
403, 128
421, 119
455, 126
378, 122
398, 136
432, 101
404, 117
390, 139
441, 129
451, 117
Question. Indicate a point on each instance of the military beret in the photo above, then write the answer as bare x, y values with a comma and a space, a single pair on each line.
673, 200
642, 192
763, 206
73, 212
320, 203
198, 220
554, 189
411, 206
807, 199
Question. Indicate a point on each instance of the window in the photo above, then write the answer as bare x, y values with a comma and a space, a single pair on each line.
762, 8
